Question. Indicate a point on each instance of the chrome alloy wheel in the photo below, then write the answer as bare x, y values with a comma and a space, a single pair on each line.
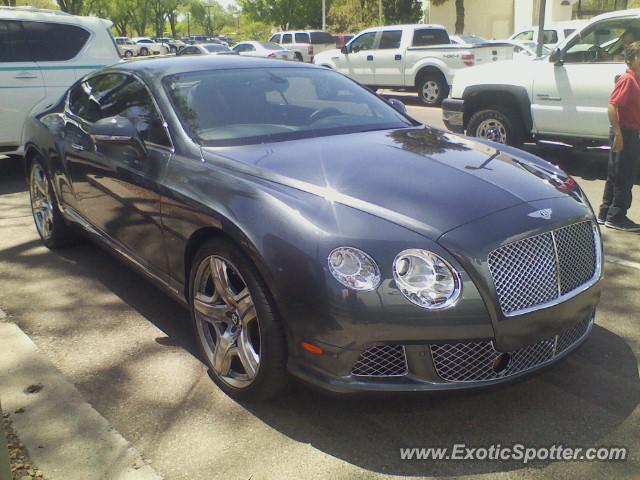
41, 203
226, 321
492, 129
430, 91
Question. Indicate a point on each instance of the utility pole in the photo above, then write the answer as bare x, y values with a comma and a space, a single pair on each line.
540, 39
324, 15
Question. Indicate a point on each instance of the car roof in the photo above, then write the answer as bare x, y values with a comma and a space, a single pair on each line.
154, 68
53, 16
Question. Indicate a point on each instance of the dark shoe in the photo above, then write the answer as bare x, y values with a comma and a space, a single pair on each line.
601, 220
624, 224
602, 215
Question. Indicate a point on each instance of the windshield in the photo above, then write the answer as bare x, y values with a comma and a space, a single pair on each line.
270, 46
257, 105
215, 47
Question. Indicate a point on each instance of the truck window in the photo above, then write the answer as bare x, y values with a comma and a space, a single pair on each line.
429, 36
525, 36
286, 38
363, 42
321, 38
302, 38
390, 39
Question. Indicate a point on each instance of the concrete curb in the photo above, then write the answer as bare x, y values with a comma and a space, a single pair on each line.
65, 437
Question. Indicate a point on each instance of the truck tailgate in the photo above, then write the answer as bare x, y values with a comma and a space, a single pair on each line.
494, 52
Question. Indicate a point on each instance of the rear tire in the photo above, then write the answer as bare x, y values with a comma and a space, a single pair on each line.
238, 331
432, 89
50, 224
498, 125
144, 51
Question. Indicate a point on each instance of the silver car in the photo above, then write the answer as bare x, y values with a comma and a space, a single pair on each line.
264, 49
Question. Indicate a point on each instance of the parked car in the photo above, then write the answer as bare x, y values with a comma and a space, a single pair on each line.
562, 97
44, 52
205, 49
150, 47
466, 39
313, 228
127, 47
264, 49
553, 33
418, 57
304, 43
193, 39
523, 50
173, 44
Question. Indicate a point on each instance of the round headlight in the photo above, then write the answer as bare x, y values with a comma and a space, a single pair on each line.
426, 279
354, 269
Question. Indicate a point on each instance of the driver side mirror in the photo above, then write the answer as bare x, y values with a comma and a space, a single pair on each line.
344, 50
557, 56
117, 135
398, 105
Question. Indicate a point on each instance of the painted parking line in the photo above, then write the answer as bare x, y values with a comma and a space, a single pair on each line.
622, 261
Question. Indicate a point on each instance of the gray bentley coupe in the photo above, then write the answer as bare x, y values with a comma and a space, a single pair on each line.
315, 230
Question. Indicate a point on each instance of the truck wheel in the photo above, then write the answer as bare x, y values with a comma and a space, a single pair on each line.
299, 57
501, 126
432, 89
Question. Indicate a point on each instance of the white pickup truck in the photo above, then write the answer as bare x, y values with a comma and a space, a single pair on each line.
417, 57
562, 97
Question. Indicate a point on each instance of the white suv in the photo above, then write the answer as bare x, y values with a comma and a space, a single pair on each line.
304, 43
42, 53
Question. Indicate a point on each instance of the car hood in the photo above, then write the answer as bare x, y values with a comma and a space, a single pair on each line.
425, 179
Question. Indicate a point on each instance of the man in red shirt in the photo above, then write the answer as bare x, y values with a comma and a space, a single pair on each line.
624, 159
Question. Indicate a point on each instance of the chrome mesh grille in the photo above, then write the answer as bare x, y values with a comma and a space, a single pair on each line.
543, 268
576, 255
473, 361
381, 361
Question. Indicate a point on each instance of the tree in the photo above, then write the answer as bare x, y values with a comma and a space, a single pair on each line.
71, 6
284, 13
354, 15
459, 13
401, 11
9, 3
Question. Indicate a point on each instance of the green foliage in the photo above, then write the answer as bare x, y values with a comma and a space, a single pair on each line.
355, 15
284, 13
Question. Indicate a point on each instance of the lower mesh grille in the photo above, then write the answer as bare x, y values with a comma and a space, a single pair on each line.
473, 361
381, 361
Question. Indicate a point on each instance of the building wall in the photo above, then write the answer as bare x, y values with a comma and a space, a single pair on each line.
487, 18
497, 18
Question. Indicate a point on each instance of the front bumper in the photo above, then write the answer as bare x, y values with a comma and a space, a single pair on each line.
453, 114
452, 365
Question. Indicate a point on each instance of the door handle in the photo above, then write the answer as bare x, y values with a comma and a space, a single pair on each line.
544, 96
78, 147
398, 57
369, 58
25, 76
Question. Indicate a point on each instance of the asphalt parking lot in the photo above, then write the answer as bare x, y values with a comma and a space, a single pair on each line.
128, 349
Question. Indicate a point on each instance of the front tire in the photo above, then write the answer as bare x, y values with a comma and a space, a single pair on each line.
299, 57
498, 125
236, 323
128, 53
432, 89
50, 224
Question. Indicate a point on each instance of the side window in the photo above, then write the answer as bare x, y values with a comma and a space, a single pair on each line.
550, 36
13, 44
239, 48
390, 39
524, 36
249, 48
111, 95
568, 31
286, 38
275, 38
52, 42
363, 42
301, 38
424, 37
603, 42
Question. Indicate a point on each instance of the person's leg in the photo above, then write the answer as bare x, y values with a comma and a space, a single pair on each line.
625, 171
607, 196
